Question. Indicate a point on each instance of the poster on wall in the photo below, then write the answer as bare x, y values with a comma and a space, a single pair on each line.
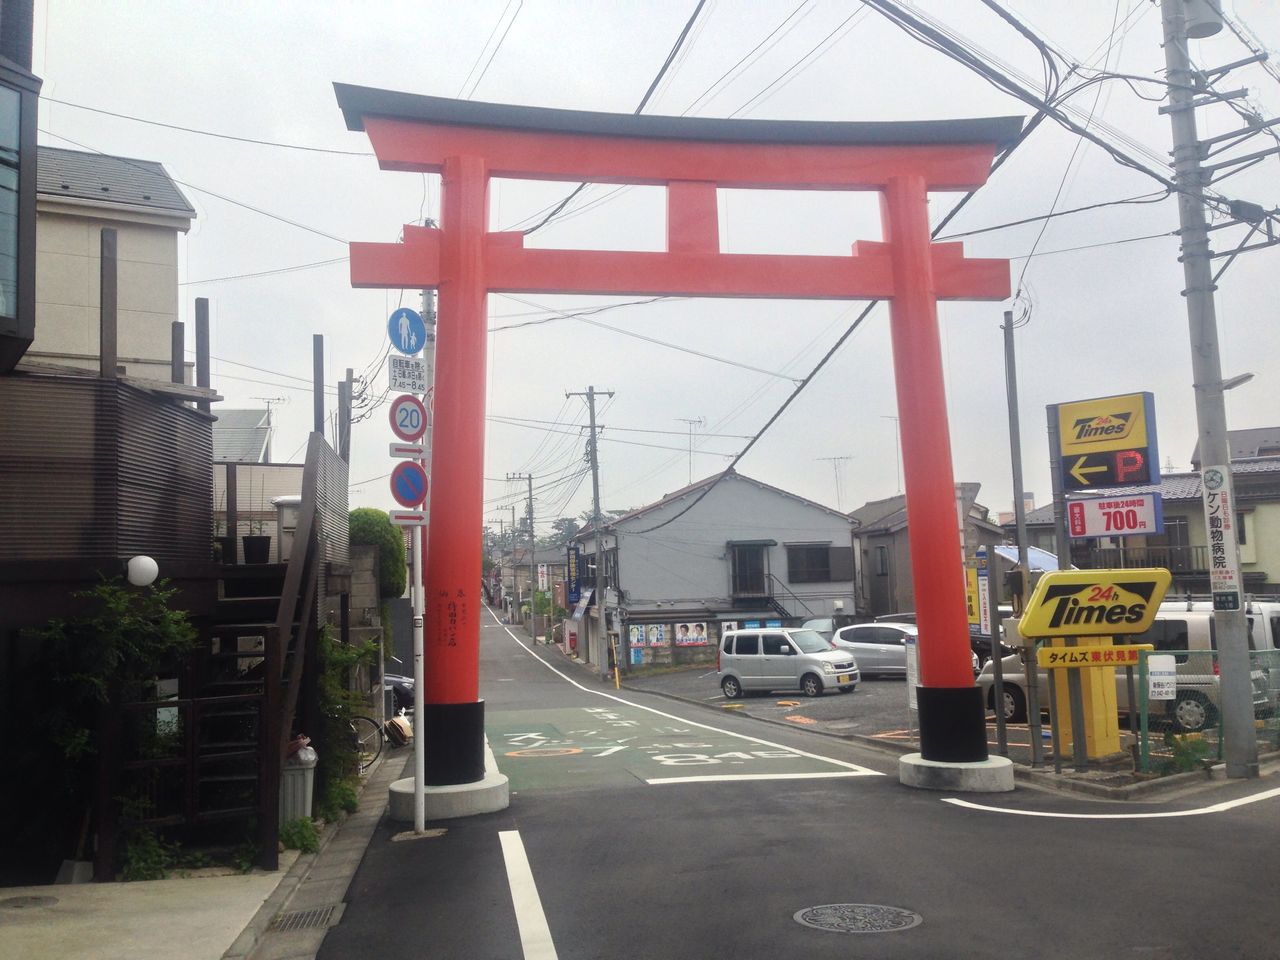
691, 634
657, 633
635, 636
637, 653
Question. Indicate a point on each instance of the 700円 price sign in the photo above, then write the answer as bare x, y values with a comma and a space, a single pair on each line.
1139, 513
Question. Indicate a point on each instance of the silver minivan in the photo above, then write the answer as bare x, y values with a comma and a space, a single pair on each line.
782, 658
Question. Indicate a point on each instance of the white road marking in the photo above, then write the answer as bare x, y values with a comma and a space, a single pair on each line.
535, 935
857, 769
711, 778
1158, 815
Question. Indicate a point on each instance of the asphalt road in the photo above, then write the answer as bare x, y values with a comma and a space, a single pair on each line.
641, 827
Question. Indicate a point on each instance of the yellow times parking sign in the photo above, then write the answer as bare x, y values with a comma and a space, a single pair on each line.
1085, 603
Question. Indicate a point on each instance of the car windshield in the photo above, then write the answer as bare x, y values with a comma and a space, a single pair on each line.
809, 641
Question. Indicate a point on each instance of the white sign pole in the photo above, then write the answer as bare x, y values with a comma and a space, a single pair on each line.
419, 686
419, 678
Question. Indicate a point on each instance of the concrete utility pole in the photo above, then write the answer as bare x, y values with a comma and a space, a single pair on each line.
602, 639
528, 478
1215, 456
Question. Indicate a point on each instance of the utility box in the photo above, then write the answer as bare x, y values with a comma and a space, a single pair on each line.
297, 785
287, 509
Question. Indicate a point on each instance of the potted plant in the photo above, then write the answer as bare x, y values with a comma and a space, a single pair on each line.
257, 545
223, 543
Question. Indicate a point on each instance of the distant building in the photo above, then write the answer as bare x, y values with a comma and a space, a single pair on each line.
1245, 444
77, 195
242, 436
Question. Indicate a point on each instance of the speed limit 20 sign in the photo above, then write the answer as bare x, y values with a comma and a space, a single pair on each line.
408, 417
1138, 513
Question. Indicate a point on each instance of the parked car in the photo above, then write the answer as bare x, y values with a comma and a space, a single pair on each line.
827, 626
1189, 635
979, 643
881, 648
786, 658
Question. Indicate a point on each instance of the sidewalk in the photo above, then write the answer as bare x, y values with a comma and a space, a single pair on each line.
201, 916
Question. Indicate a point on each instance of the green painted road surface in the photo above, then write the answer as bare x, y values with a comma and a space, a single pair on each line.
621, 744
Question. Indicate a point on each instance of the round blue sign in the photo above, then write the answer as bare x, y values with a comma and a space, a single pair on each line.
409, 484
407, 331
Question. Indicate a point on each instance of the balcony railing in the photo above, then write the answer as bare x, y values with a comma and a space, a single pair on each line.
1175, 558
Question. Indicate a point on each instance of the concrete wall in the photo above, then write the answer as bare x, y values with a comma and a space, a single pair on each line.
68, 292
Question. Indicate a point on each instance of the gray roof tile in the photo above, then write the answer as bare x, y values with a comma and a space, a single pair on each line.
107, 179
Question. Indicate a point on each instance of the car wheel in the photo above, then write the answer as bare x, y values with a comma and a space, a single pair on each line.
810, 685
1192, 712
1015, 704
731, 687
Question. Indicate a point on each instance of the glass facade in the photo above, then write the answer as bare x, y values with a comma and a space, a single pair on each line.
10, 140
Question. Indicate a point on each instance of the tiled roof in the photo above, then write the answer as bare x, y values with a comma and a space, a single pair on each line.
241, 436
1244, 444
107, 179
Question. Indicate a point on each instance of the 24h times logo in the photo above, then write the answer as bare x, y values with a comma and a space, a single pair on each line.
1104, 427
1098, 603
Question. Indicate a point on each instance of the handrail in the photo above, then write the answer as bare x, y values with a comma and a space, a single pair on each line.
790, 593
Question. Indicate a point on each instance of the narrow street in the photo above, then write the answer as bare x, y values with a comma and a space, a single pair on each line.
643, 828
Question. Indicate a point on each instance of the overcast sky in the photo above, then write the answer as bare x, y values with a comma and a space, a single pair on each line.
1103, 320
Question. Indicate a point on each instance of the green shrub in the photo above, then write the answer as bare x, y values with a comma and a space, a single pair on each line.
372, 526
339, 797
300, 835
147, 856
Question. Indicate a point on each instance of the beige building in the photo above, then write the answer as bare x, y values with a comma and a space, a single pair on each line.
78, 195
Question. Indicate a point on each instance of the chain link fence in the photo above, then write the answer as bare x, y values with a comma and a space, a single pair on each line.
1181, 709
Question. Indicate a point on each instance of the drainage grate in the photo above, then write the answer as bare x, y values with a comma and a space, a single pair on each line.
22, 903
316, 919
858, 918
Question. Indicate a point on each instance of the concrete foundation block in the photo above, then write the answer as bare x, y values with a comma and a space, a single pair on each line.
450, 802
993, 775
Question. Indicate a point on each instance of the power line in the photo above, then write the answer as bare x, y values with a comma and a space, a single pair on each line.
502, 16
662, 71
266, 273
205, 133
661, 343
204, 190
1154, 197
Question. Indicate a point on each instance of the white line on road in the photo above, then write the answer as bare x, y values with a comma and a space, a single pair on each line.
857, 770
1159, 815
711, 778
535, 935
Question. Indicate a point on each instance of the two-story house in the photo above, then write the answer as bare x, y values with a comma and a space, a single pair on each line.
728, 550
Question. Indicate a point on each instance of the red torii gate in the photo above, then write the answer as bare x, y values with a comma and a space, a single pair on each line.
468, 143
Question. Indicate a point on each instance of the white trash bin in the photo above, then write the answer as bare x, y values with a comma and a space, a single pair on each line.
297, 783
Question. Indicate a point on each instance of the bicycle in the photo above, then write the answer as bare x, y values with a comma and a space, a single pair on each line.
367, 740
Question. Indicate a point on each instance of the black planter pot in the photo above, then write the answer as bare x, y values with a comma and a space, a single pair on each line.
257, 549
226, 548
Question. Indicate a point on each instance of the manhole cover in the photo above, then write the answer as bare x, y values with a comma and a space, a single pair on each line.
858, 918
22, 903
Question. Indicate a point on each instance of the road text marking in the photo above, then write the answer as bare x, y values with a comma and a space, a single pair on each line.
535, 935
855, 769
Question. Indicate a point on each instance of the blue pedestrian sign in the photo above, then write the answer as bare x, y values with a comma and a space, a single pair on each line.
409, 484
407, 331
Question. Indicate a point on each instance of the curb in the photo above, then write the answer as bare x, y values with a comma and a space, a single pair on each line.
254, 933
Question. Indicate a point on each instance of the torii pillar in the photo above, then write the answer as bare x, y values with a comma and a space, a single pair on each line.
468, 143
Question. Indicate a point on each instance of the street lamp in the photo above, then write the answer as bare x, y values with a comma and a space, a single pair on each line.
142, 571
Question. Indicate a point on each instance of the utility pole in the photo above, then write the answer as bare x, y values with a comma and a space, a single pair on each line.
1215, 456
835, 465
602, 639
528, 478
694, 422
1031, 675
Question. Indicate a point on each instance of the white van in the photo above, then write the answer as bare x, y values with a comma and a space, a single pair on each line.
1263, 617
1188, 634
782, 658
